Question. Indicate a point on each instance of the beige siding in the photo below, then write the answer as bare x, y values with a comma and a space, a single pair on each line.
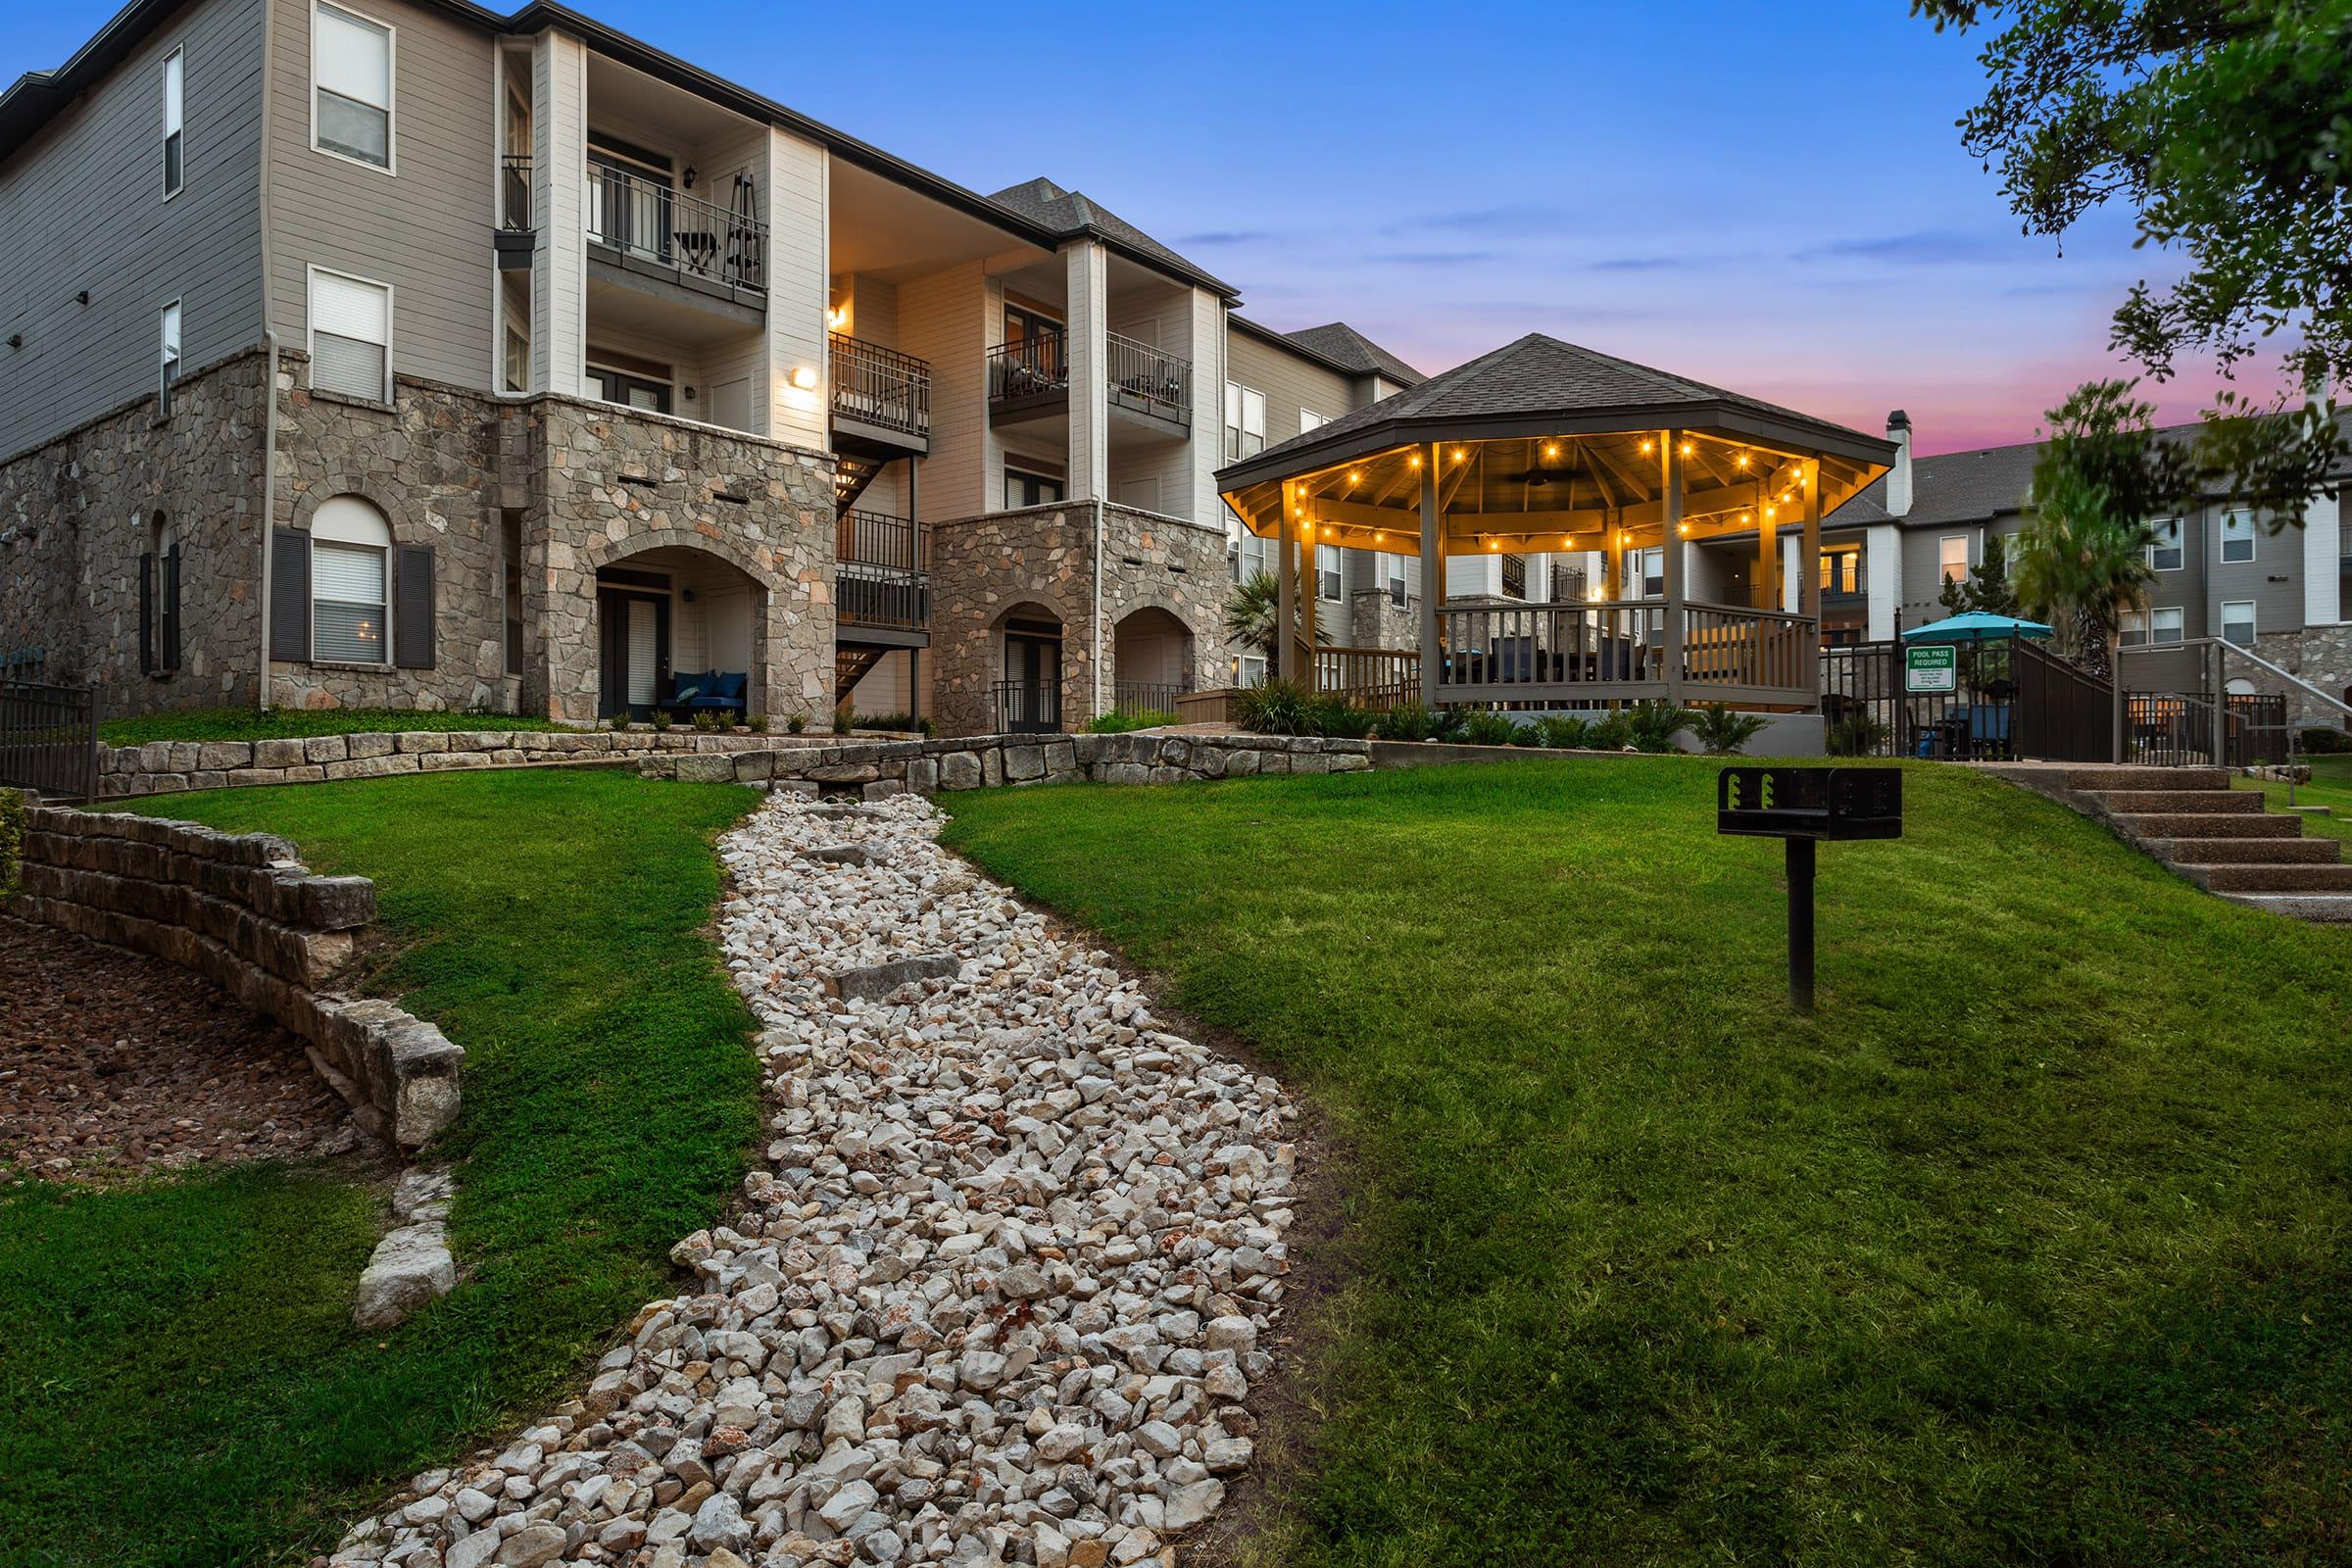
797, 206
424, 230
559, 263
84, 208
1289, 383
942, 319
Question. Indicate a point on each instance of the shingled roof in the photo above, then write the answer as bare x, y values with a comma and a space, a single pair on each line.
1072, 213
1540, 384
1344, 345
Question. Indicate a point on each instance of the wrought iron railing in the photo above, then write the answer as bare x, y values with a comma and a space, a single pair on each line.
514, 192
1143, 377
1514, 577
881, 387
49, 738
878, 539
1037, 365
883, 576
2008, 699
1025, 706
692, 238
1129, 697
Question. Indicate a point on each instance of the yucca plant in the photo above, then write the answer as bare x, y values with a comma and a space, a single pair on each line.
1723, 731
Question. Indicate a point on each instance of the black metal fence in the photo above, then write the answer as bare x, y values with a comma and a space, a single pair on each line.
1146, 696
49, 738
1023, 706
2010, 699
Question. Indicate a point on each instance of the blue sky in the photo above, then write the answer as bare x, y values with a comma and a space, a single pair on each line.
1769, 197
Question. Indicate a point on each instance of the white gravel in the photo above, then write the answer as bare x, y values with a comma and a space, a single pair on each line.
996, 1295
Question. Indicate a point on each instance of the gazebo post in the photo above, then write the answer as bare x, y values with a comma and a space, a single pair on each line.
1809, 585
1767, 593
1286, 586
1671, 552
1311, 590
1432, 576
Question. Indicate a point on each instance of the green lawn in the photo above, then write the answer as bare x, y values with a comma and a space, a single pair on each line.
2330, 786
284, 723
181, 1382
2034, 1246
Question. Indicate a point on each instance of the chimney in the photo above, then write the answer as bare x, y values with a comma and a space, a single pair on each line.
1898, 478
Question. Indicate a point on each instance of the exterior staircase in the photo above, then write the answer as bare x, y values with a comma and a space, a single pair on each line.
2222, 839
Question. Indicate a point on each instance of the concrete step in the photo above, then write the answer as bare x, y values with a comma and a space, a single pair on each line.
2247, 852
2104, 778
2310, 811
2335, 878
2135, 801
2212, 825
2326, 909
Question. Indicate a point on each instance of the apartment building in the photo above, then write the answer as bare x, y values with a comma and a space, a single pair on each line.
422, 356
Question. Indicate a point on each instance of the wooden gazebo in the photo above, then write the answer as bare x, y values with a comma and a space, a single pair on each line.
1542, 447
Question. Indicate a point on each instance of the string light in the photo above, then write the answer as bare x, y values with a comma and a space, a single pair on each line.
1685, 449
1459, 454
1552, 449
1416, 460
1743, 461
1646, 446
1354, 477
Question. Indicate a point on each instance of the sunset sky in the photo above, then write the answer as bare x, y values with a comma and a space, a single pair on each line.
1769, 197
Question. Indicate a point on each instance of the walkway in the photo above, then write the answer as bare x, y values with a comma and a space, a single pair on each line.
996, 1294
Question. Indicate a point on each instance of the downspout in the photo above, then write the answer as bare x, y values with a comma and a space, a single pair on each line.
268, 509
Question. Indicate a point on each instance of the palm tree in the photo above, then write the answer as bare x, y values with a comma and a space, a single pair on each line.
2082, 570
1253, 619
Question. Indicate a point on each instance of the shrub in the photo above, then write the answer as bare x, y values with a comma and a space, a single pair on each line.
1613, 731
1566, 731
1121, 723
660, 720
1274, 706
2320, 740
1336, 717
891, 721
796, 723
845, 717
1722, 730
1406, 721
1530, 733
1450, 722
12, 838
1653, 726
1483, 726
756, 723
707, 722
1856, 734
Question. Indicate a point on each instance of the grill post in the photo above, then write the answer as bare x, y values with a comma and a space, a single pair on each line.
1799, 862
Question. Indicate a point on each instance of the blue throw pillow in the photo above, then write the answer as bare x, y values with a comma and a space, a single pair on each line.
685, 694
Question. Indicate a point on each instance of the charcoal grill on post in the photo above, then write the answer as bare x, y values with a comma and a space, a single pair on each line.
1801, 806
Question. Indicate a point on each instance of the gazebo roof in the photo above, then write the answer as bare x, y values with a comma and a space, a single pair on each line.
1549, 438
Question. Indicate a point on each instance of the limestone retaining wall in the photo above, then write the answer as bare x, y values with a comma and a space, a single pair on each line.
161, 767
242, 911
875, 769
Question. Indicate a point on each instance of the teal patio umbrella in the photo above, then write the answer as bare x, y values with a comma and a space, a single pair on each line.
1977, 626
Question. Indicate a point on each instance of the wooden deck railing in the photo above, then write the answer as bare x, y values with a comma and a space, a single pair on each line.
1616, 650
1368, 677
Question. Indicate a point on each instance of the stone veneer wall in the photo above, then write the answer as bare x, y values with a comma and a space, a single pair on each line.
1043, 559
242, 911
1376, 621
875, 769
77, 511
161, 767
2319, 654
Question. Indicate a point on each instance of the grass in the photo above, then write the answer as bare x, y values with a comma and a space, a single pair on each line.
181, 1379
2330, 786
2030, 1248
290, 723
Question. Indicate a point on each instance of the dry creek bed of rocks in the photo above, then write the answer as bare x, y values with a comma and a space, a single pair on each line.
996, 1295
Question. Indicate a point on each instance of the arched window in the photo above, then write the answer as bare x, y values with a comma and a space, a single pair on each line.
159, 598
351, 601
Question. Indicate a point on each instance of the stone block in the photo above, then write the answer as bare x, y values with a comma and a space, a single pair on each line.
450, 762
278, 754
1024, 762
699, 769
371, 745
922, 776
421, 740
325, 748
880, 980
959, 770
224, 755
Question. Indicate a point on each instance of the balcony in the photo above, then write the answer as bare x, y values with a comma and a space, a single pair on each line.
641, 231
1031, 377
881, 399
882, 580
1147, 383
517, 235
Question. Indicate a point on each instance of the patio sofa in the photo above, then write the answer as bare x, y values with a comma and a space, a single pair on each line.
712, 690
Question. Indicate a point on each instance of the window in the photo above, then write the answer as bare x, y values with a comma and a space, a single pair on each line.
159, 600
1951, 557
1326, 573
2165, 549
1392, 578
1245, 422
517, 359
170, 367
1251, 670
174, 111
2237, 621
1841, 571
1308, 418
2237, 535
632, 388
1025, 489
351, 547
1645, 570
2162, 626
351, 336
351, 75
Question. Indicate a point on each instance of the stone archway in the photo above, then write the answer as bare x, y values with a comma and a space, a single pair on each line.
661, 622
1030, 670
1152, 660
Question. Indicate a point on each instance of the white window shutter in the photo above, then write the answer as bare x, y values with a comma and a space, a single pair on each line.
350, 308
355, 59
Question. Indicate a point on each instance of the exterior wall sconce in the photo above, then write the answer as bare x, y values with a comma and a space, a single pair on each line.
804, 376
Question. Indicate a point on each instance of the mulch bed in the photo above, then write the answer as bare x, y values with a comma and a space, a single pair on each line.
114, 1065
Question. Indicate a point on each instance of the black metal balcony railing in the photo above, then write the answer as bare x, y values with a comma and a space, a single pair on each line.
1129, 697
881, 387
1025, 706
1034, 367
883, 576
694, 238
515, 193
1142, 375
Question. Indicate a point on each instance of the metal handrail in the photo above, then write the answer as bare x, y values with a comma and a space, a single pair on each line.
514, 192
658, 224
1135, 370
1031, 367
881, 539
880, 386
